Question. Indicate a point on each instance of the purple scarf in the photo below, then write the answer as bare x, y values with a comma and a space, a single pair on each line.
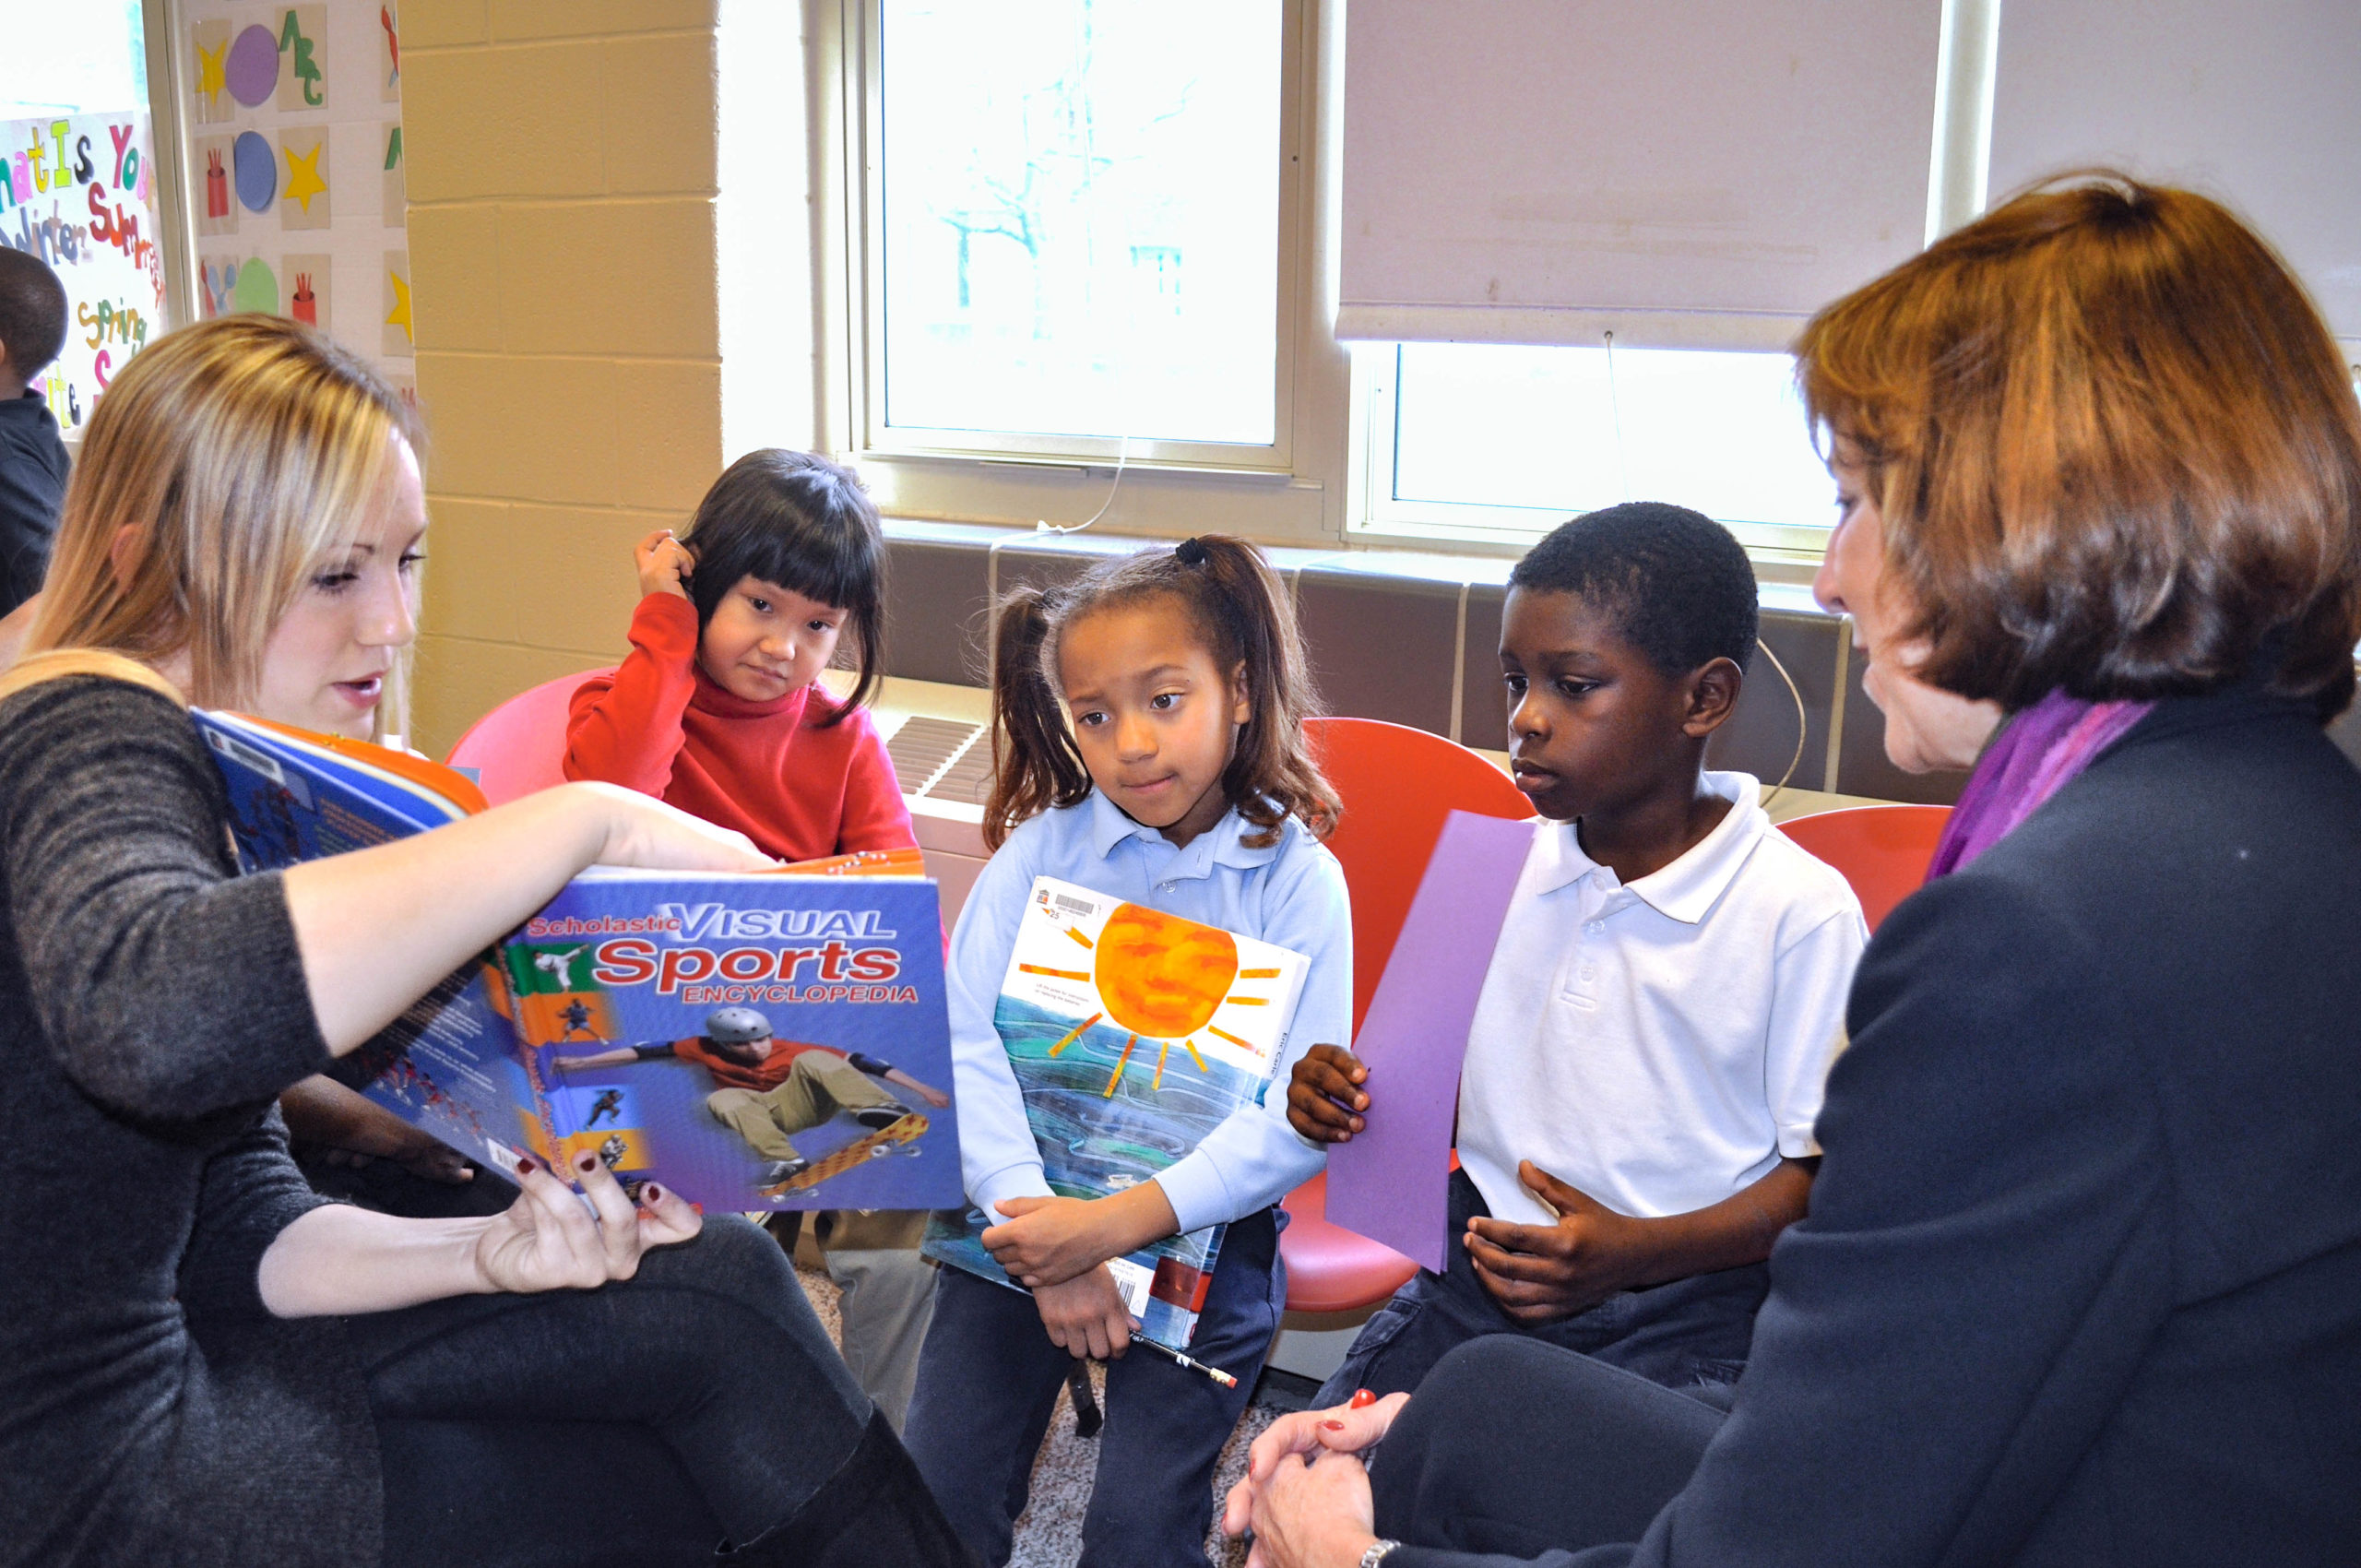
2028, 762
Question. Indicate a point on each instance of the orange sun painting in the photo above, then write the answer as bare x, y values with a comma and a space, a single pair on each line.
1162, 978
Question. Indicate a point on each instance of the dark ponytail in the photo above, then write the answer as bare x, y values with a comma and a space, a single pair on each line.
1241, 610
1035, 763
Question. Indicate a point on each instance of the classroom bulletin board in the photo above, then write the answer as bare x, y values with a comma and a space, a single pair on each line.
77, 191
294, 153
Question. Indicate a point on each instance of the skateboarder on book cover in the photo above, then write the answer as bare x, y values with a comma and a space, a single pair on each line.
767, 1090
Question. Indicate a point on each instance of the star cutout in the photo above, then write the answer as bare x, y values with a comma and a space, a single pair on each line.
400, 316
304, 180
209, 69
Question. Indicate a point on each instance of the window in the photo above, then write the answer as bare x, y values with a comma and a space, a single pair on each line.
1075, 233
1479, 441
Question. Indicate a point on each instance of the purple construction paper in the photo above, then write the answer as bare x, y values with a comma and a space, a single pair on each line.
1391, 1184
251, 71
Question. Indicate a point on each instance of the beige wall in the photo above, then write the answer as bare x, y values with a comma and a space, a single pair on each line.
562, 239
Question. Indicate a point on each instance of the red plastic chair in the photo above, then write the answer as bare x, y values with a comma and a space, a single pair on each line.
519, 746
1397, 784
1881, 851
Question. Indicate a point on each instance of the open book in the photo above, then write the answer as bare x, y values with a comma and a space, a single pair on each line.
769, 1041
1133, 1035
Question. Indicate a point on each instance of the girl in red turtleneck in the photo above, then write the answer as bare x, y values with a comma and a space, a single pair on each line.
718, 710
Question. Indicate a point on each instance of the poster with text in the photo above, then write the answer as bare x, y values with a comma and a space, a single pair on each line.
77, 191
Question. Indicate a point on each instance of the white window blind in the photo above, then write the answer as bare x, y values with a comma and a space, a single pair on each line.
2256, 105
1685, 173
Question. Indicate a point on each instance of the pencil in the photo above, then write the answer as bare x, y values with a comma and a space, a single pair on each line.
1185, 1362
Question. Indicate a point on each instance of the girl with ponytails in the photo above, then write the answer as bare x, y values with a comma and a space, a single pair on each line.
1147, 732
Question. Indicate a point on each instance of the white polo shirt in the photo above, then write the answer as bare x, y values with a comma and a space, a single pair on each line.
1658, 1046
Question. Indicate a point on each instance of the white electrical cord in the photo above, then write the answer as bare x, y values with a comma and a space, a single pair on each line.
1123, 450
1802, 723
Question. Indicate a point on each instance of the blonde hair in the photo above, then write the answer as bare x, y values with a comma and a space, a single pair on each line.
244, 451
2115, 448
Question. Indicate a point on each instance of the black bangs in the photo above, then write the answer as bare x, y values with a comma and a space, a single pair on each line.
790, 519
804, 524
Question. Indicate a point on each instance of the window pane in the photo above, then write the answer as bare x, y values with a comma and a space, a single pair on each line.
79, 59
1552, 429
1081, 217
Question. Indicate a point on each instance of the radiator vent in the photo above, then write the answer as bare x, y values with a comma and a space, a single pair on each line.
947, 758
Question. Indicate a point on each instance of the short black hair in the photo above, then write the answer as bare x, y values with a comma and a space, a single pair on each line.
804, 524
32, 312
1677, 584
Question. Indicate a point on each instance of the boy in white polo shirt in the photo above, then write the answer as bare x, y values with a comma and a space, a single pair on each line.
1646, 1060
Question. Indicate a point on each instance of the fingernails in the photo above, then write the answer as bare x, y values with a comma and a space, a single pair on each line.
585, 1162
1361, 1400
525, 1166
654, 1194
1331, 1426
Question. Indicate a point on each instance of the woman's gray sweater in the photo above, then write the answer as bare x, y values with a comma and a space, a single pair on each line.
152, 1007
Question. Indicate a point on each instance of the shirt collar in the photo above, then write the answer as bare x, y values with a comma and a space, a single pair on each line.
1686, 889
1218, 845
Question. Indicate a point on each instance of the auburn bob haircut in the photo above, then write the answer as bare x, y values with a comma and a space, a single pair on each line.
2115, 448
1242, 612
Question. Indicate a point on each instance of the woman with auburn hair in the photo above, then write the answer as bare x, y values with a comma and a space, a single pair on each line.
2082, 1278
200, 1360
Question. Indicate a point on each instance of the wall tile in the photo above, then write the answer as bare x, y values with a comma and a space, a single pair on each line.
668, 415
503, 122
1380, 649
610, 277
1483, 700
520, 428
1760, 737
449, 249
459, 680
934, 614
654, 143
432, 24
581, 597
472, 571
581, 19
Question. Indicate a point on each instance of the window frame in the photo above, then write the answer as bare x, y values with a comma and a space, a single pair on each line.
1379, 514
872, 441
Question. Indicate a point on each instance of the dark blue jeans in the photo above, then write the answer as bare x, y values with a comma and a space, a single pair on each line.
989, 1381
1691, 1335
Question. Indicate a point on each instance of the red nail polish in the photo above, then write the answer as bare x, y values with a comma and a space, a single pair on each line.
524, 1168
1333, 1426
655, 1193
1362, 1399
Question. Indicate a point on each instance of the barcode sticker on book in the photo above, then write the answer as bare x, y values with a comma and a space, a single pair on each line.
1131, 1279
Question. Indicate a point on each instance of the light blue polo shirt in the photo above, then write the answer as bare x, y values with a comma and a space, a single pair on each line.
1291, 894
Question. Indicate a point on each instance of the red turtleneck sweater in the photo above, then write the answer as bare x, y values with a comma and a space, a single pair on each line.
659, 725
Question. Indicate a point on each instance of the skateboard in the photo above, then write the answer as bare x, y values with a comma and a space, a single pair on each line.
870, 1146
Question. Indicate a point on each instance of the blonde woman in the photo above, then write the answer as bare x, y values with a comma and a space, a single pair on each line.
200, 1360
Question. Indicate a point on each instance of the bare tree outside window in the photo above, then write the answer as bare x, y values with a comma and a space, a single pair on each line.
1052, 167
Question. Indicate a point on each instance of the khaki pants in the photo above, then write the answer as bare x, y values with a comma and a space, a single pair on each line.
816, 1087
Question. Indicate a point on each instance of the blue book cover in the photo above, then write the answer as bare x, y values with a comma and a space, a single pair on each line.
754, 1041
1132, 1034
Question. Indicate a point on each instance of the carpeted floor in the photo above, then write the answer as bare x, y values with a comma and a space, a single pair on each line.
1049, 1534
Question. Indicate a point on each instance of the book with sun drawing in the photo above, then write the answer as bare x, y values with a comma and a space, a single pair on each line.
1132, 1034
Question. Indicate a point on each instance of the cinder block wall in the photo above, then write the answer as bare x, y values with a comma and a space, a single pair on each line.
562, 239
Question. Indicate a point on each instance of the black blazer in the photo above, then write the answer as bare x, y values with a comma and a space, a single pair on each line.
2082, 1279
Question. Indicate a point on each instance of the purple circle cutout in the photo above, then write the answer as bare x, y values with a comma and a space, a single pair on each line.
257, 170
252, 70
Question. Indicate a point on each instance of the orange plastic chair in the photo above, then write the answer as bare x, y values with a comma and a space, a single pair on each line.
519, 746
1881, 851
1397, 784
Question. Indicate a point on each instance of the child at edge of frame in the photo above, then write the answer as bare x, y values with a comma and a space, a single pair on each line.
1645, 1063
1183, 785
718, 709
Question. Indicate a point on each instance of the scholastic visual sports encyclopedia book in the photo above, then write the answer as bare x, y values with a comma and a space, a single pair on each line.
1132, 1034
753, 1042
